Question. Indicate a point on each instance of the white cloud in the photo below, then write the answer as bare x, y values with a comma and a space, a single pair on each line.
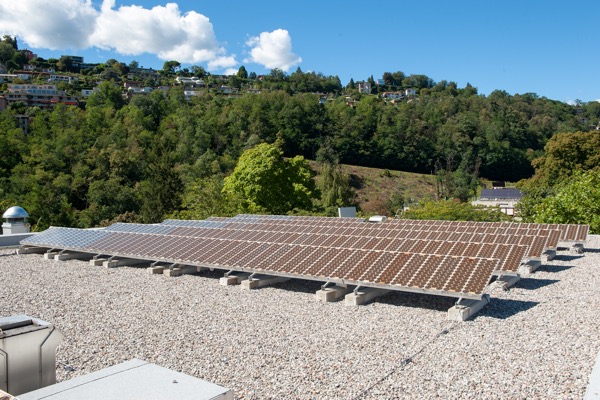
56, 24
129, 30
222, 62
273, 50
231, 71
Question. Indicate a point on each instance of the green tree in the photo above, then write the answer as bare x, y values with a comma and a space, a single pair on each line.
242, 73
263, 181
11, 41
7, 52
567, 152
204, 198
108, 95
575, 201
169, 67
333, 185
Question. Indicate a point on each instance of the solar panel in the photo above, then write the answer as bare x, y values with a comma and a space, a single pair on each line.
459, 276
501, 193
535, 241
140, 228
569, 232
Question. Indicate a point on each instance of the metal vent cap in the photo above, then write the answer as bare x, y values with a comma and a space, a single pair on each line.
15, 212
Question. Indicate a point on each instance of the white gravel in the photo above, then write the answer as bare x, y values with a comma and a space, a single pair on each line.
537, 340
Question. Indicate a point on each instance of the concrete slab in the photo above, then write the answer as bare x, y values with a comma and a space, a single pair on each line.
173, 272
134, 379
467, 308
98, 262
231, 280
8, 241
593, 389
364, 295
32, 250
50, 255
122, 262
529, 266
505, 282
261, 281
577, 248
155, 270
332, 293
549, 254
70, 256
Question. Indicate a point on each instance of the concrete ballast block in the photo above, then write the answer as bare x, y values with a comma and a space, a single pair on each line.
155, 270
263, 280
233, 279
172, 272
467, 308
530, 265
50, 255
363, 296
332, 293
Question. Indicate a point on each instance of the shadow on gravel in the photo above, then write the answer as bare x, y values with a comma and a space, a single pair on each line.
214, 274
591, 250
533, 284
299, 285
565, 257
503, 308
416, 300
554, 268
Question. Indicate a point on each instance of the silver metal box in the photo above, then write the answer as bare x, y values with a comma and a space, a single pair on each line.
27, 354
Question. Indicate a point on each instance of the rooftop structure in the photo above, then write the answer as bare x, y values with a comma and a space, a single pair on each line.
278, 342
502, 197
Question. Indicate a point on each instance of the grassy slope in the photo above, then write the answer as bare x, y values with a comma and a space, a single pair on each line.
375, 187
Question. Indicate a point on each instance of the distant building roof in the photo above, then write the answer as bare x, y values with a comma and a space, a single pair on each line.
501, 193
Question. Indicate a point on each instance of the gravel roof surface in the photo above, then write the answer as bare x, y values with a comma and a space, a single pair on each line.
537, 340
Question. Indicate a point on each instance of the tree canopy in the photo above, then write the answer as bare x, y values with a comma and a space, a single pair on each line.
263, 181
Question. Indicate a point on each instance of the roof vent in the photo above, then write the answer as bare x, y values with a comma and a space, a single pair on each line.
16, 221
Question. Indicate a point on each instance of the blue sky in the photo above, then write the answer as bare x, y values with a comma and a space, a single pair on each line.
546, 47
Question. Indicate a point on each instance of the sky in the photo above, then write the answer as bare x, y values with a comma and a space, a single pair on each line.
547, 47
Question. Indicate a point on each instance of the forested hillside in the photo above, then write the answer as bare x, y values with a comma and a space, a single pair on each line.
139, 159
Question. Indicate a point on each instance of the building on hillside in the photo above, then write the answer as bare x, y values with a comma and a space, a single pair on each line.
189, 81
76, 61
364, 87
29, 54
43, 96
63, 78
410, 92
227, 90
501, 197
132, 84
136, 91
392, 95
8, 77
3, 103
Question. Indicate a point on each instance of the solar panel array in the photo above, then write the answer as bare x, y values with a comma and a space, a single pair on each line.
440, 257
427, 273
501, 193
510, 255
